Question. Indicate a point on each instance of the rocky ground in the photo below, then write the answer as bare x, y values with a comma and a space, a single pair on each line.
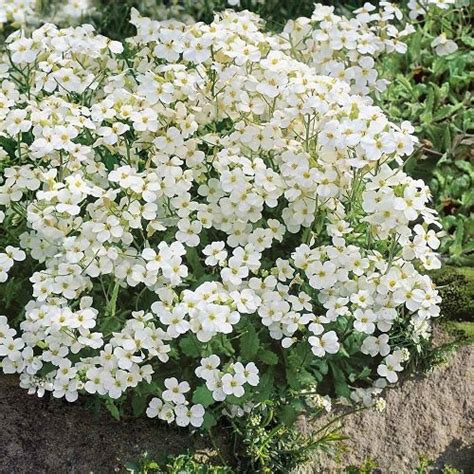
428, 415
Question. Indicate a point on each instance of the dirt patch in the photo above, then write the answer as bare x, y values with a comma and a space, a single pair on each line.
429, 416
50, 436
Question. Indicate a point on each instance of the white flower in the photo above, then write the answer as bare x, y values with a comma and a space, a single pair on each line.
323, 275
215, 385
215, 252
233, 384
186, 415
249, 373
175, 391
209, 367
376, 345
365, 321
188, 232
328, 343
391, 366
443, 46
23, 50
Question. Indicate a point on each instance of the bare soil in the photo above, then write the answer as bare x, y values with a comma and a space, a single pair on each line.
54, 437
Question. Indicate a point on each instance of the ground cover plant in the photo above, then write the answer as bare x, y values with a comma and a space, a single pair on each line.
214, 223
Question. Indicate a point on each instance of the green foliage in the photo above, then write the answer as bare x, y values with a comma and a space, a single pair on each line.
434, 93
112, 408
427, 358
450, 470
424, 466
268, 440
263, 441
367, 467
456, 287
203, 396
182, 464
249, 343
462, 329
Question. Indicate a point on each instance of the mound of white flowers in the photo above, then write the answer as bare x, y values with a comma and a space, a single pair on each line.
192, 211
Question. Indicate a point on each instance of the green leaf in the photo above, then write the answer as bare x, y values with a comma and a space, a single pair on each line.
203, 279
468, 40
203, 396
422, 167
110, 161
268, 357
189, 346
447, 138
249, 343
429, 104
439, 66
139, 404
466, 167
221, 344
339, 379
300, 378
112, 408
343, 352
447, 111
132, 467
362, 375
299, 356
209, 421
8, 145
288, 415
265, 387
292, 381
322, 366
405, 83
305, 378
193, 259
443, 112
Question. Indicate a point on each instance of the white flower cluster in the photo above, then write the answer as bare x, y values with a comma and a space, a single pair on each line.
172, 405
347, 48
229, 382
200, 179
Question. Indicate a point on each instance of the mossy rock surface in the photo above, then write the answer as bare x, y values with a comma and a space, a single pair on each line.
456, 286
